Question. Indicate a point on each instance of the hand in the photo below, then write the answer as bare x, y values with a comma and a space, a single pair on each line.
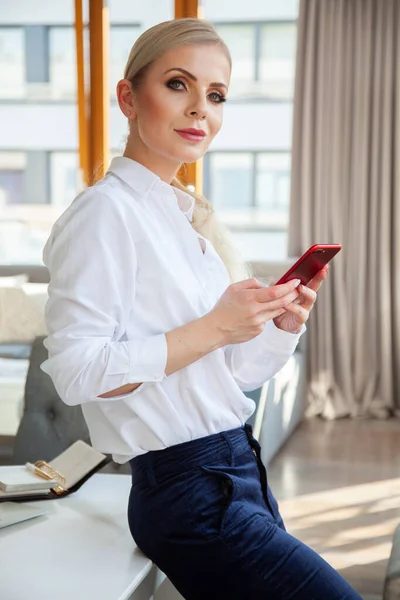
241, 312
298, 312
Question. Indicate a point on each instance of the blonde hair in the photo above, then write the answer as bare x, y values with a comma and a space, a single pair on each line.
147, 48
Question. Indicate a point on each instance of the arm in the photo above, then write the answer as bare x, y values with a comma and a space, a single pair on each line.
253, 362
258, 359
90, 299
185, 344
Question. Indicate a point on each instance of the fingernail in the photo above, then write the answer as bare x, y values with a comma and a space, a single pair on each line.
297, 282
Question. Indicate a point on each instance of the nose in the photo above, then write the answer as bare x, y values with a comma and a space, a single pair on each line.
198, 108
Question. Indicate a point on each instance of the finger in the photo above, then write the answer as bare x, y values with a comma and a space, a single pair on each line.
248, 284
317, 280
279, 303
278, 313
263, 318
275, 313
268, 294
307, 297
300, 311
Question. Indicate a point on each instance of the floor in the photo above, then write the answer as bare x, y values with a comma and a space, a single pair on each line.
338, 485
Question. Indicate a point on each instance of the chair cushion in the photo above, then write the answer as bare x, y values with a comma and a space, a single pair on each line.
48, 425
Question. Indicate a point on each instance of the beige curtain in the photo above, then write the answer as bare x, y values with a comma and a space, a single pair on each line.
346, 189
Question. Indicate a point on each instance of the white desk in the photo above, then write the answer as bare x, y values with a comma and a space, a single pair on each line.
12, 383
82, 549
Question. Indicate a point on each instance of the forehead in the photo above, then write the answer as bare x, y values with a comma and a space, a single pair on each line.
207, 62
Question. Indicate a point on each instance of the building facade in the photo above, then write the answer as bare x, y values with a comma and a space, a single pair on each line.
247, 169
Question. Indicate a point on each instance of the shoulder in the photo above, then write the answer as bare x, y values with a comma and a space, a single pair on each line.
106, 196
103, 204
100, 213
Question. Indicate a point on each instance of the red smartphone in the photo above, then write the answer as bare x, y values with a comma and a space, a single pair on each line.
310, 263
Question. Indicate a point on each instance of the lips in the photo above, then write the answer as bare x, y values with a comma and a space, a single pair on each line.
194, 135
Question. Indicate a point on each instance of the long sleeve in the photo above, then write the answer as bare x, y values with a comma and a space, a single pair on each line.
254, 362
92, 263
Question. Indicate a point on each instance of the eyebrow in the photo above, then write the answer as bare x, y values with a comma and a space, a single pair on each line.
193, 78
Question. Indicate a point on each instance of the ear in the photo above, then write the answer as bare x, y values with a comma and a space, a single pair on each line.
125, 97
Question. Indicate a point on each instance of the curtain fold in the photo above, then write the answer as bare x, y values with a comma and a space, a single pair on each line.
345, 189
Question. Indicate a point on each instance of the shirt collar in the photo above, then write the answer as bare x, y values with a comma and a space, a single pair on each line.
134, 174
186, 202
142, 180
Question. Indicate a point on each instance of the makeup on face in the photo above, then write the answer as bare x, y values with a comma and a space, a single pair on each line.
191, 134
179, 105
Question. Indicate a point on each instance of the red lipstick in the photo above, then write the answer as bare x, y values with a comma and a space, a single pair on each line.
194, 135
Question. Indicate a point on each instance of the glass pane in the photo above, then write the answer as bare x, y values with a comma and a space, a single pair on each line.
273, 187
62, 62
261, 245
17, 240
277, 59
63, 177
121, 42
12, 62
12, 168
240, 40
231, 180
126, 27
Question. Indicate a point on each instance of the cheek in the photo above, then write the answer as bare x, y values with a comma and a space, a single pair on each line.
215, 121
156, 107
150, 109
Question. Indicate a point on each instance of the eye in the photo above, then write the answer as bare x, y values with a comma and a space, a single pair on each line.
217, 97
175, 84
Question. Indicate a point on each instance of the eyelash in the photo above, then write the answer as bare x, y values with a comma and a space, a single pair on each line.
221, 98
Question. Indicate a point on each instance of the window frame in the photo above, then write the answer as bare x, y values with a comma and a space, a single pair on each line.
253, 205
257, 25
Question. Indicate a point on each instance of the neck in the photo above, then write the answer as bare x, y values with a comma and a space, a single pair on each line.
160, 165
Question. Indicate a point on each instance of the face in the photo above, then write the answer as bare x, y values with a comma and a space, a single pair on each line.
178, 107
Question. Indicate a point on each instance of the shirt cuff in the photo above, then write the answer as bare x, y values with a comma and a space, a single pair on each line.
148, 358
282, 342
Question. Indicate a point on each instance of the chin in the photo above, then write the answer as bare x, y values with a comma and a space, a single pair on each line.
190, 157
189, 154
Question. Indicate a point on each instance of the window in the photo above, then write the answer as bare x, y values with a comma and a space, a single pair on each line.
263, 56
15, 236
240, 40
62, 53
12, 169
249, 189
250, 192
122, 39
230, 180
64, 177
277, 59
273, 186
27, 208
12, 62
62, 62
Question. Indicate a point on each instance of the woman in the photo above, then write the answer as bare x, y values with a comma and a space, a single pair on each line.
148, 332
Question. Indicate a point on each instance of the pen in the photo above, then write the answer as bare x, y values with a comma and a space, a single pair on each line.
37, 471
52, 475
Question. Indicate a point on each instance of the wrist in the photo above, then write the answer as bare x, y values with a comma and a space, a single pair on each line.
216, 337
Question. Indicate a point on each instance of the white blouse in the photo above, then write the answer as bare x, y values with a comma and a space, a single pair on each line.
126, 266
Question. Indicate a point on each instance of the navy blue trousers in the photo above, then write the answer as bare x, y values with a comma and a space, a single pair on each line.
204, 513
